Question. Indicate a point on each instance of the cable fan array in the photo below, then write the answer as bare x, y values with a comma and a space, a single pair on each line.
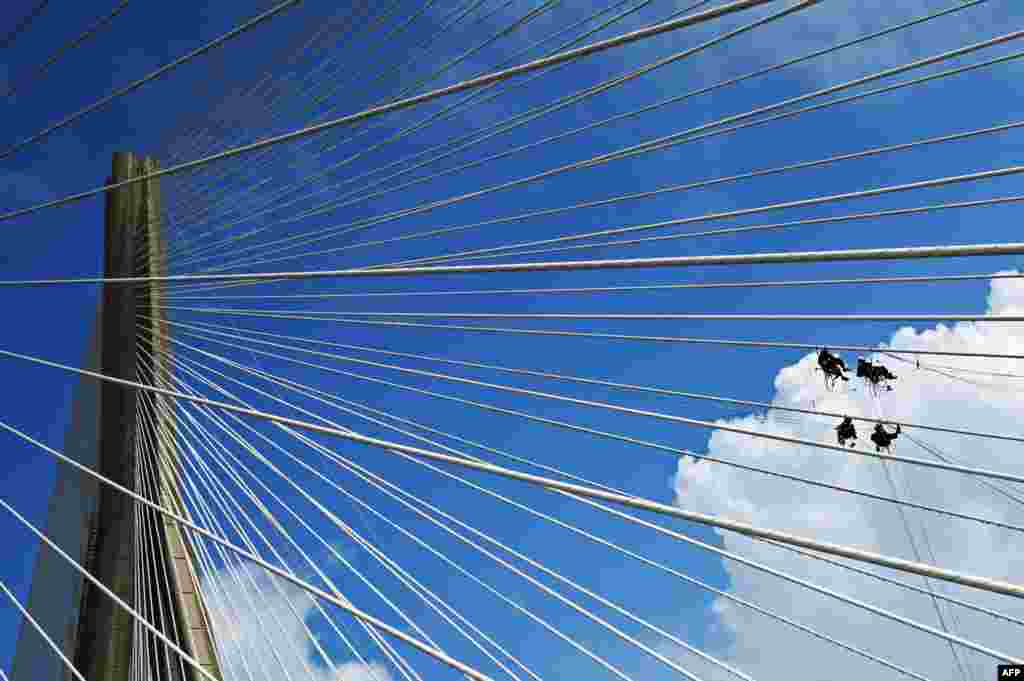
459, 357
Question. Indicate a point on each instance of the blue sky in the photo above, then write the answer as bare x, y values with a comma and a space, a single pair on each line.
55, 323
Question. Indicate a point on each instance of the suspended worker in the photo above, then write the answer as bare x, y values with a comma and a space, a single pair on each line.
875, 374
884, 374
883, 438
845, 431
832, 366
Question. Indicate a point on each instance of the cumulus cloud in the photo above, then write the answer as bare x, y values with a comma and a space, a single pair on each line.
260, 637
973, 401
354, 671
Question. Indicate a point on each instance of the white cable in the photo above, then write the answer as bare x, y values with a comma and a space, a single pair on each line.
561, 103
764, 568
456, 108
392, 606
248, 586
672, 451
248, 647
440, 555
607, 665
493, 252
391, 565
611, 407
411, 88
333, 401
323, 450
218, 457
459, 666
690, 20
227, 605
855, 254
248, 25
400, 664
215, 329
764, 71
17, 84
604, 601
666, 316
389, 652
211, 590
690, 134
643, 148
155, 546
110, 594
173, 295
235, 436
154, 603
878, 611
636, 337
996, 586
927, 583
603, 542
386, 649
146, 479
571, 604
196, 462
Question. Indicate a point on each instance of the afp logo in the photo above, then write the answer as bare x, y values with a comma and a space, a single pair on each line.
1010, 671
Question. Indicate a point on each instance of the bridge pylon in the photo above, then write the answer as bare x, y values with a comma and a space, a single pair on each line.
129, 437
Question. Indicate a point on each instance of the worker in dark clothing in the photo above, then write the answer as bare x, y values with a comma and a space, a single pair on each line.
875, 374
883, 438
832, 366
883, 374
829, 362
846, 431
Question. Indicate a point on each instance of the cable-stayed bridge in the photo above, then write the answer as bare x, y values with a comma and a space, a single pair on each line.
520, 340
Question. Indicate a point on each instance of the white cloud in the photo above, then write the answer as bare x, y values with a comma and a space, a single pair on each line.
354, 671
764, 647
243, 630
